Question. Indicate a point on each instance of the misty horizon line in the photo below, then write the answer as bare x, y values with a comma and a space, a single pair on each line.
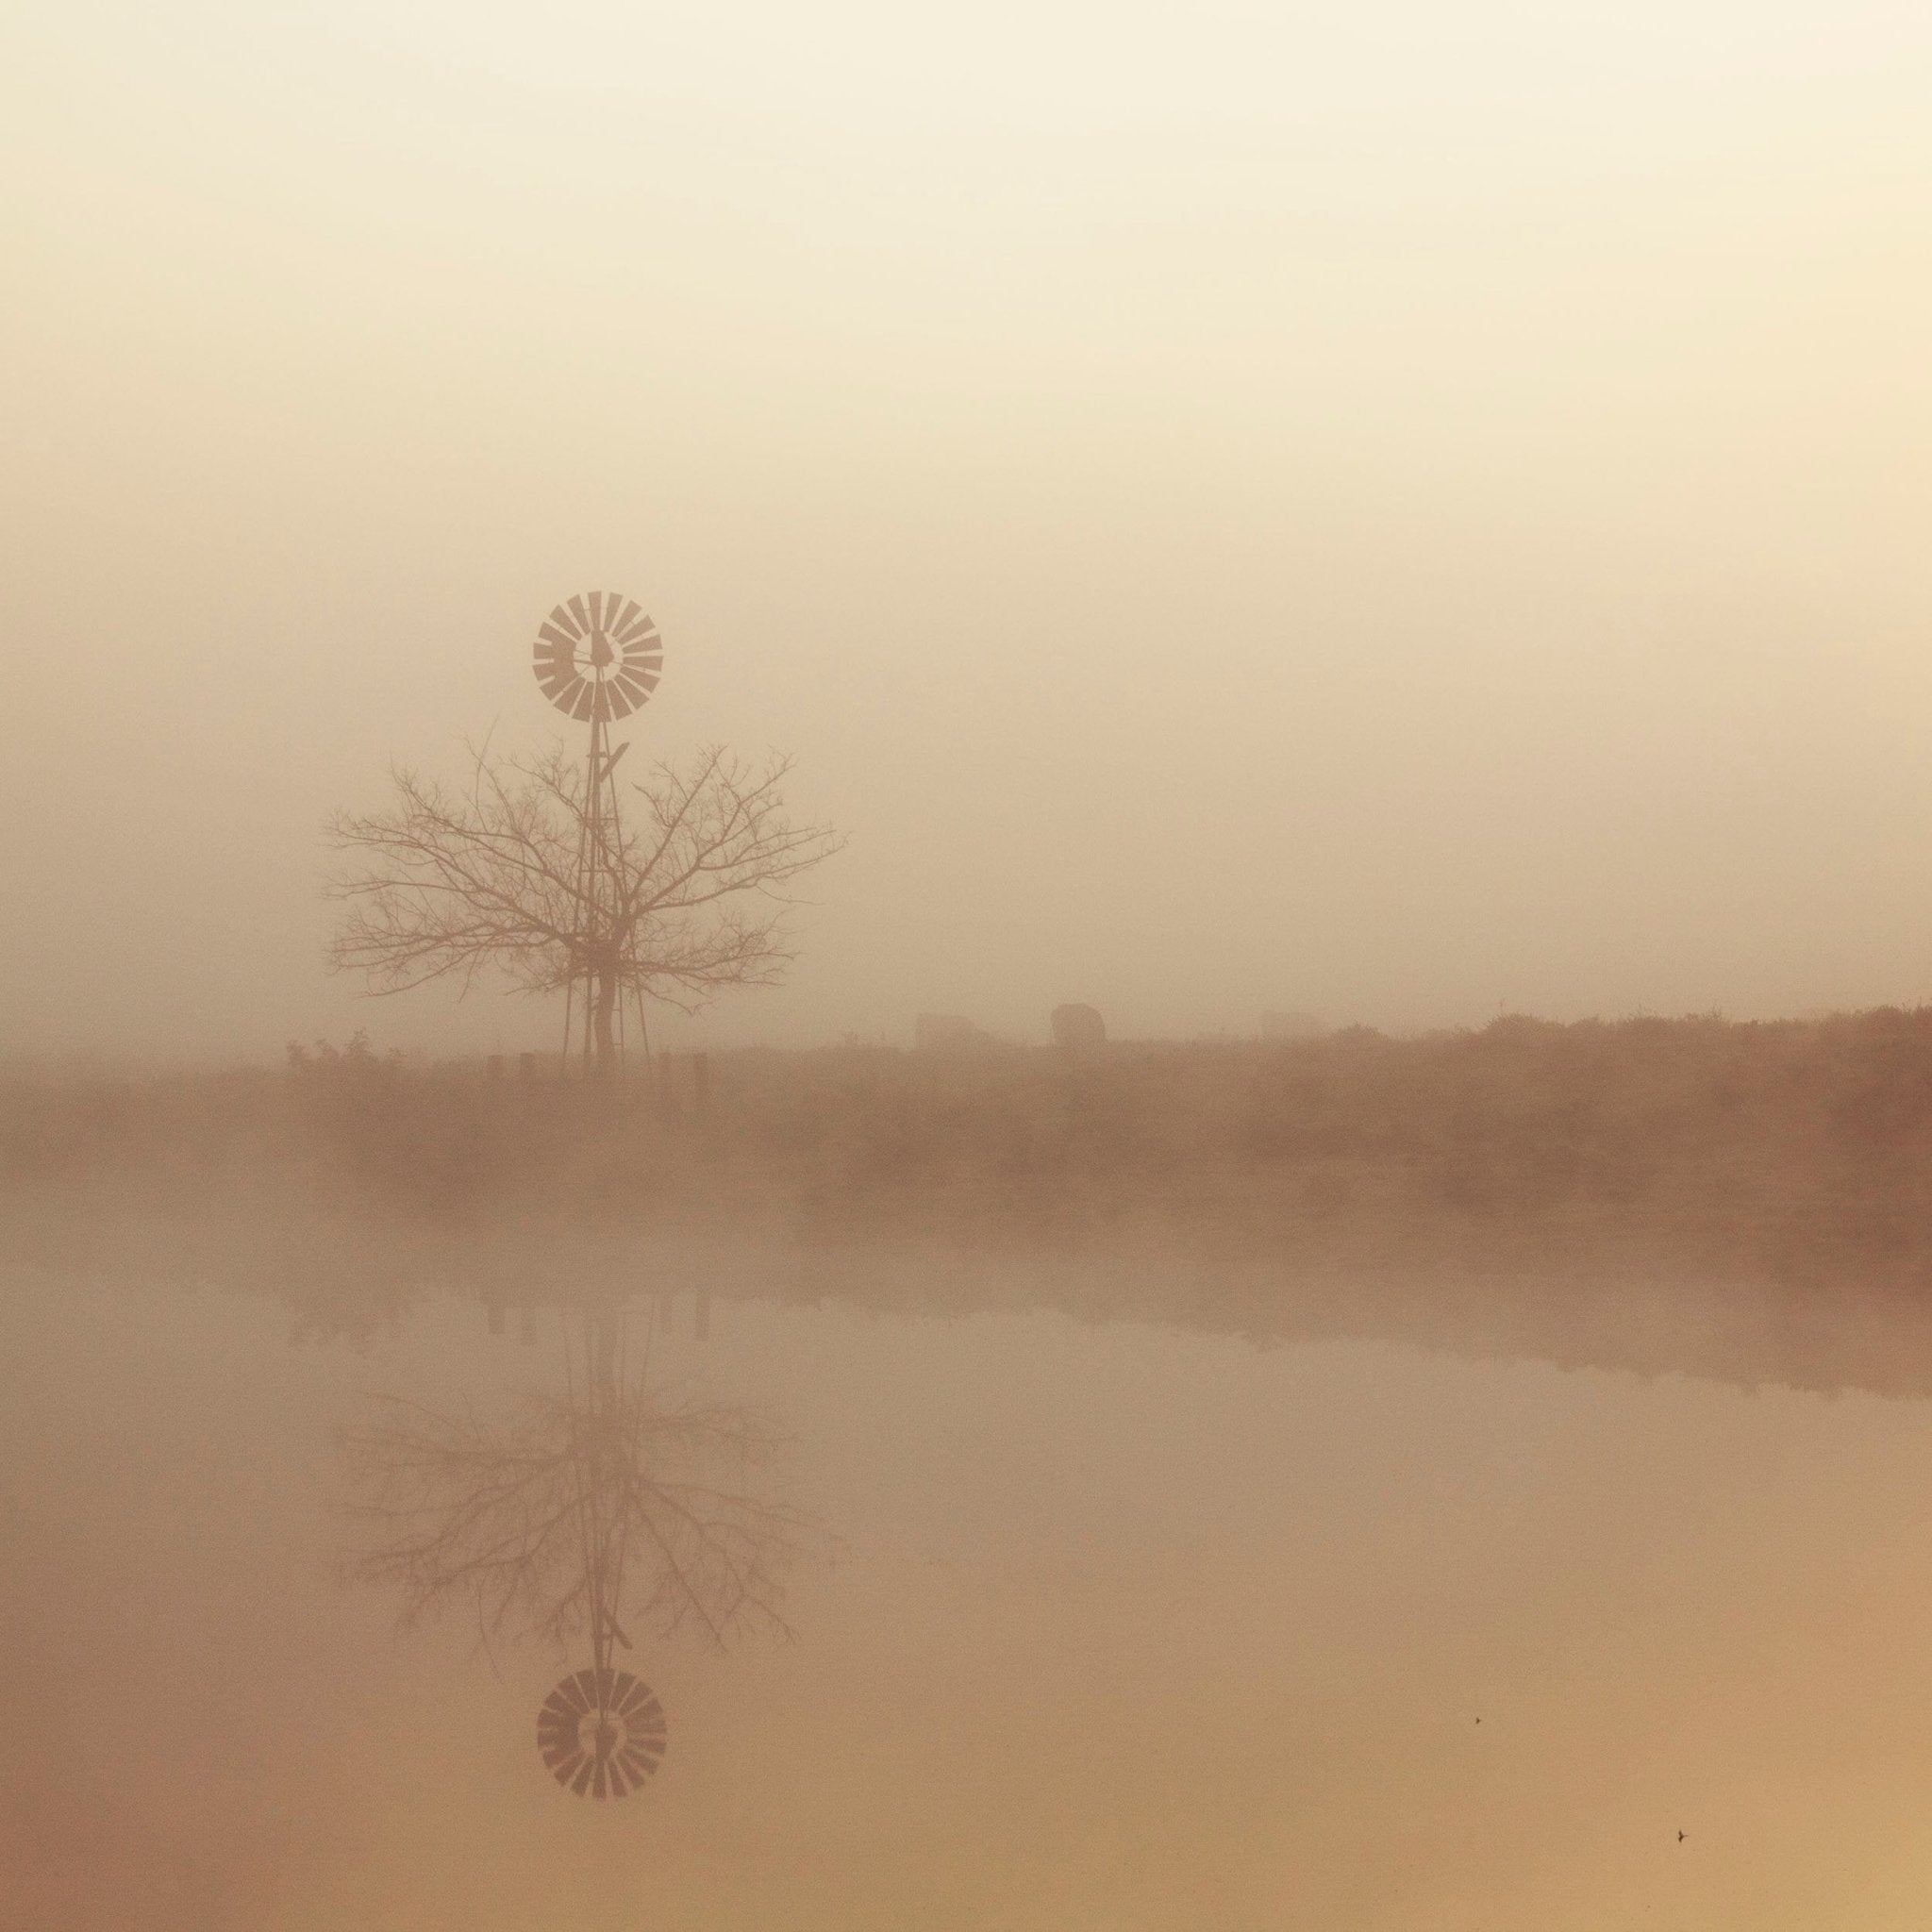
1287, 1030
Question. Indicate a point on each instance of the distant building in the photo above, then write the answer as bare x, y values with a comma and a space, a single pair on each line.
1079, 1030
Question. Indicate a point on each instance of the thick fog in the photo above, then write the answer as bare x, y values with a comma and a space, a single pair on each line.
1392, 512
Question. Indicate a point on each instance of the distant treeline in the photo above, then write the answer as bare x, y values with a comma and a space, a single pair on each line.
1791, 1146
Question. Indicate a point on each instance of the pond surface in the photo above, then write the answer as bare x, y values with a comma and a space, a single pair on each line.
1089, 1626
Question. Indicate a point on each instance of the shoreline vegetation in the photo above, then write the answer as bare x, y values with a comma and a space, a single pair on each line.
1540, 1180
1786, 1145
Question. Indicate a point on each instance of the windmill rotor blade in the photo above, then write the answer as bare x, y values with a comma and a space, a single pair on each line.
601, 1732
610, 626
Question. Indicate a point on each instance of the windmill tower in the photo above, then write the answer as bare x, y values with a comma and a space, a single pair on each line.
597, 659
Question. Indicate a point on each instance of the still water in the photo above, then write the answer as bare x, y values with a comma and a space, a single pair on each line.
1067, 1623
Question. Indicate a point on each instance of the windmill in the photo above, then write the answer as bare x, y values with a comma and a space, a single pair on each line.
597, 659
581, 1515
602, 1731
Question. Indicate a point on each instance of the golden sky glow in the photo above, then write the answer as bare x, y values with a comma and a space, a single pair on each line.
1389, 510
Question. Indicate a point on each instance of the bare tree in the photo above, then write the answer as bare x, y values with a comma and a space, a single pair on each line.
566, 1515
447, 883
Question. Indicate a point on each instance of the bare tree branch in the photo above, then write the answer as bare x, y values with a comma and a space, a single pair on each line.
496, 1514
444, 883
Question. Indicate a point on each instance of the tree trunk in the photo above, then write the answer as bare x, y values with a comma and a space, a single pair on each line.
604, 1015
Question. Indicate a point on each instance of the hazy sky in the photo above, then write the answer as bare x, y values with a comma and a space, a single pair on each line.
1389, 509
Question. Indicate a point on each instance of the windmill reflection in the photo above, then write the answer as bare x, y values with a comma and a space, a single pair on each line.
583, 1516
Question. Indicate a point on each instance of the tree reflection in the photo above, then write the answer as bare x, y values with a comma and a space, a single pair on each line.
612, 1507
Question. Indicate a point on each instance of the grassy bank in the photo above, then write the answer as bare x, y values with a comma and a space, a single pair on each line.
1794, 1148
